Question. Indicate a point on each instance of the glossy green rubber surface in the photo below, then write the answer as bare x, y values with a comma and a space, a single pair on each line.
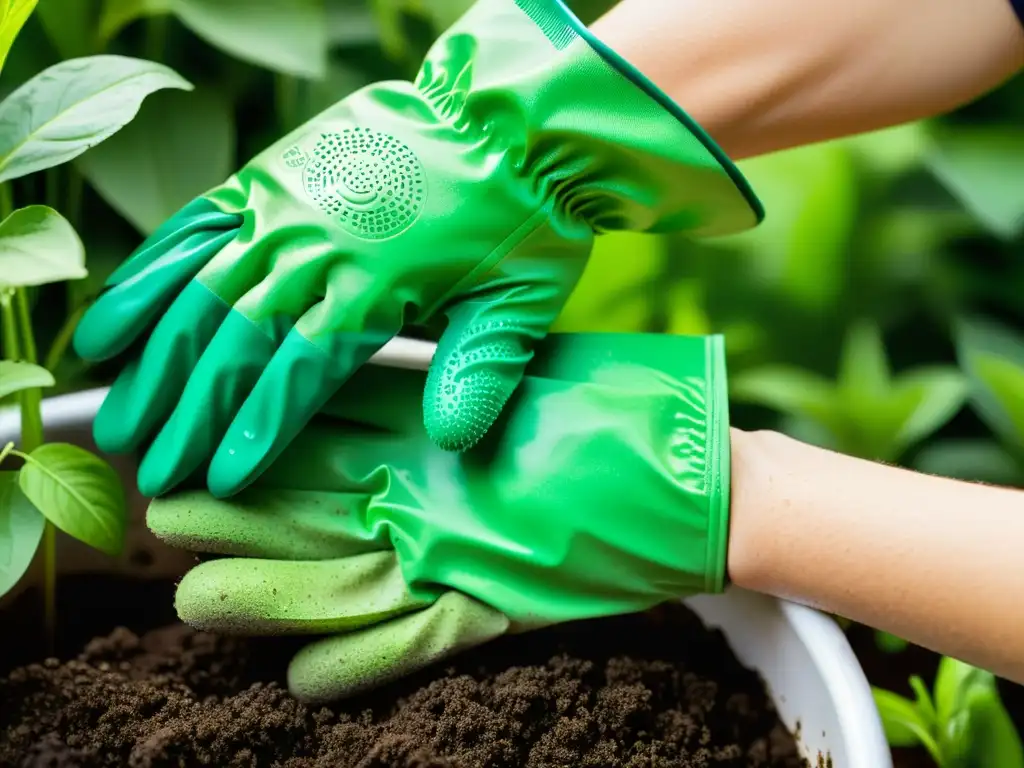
473, 193
602, 489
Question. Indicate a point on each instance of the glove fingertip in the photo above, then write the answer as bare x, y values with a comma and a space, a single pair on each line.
460, 408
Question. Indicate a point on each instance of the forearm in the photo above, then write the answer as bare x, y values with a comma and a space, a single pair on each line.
933, 560
761, 77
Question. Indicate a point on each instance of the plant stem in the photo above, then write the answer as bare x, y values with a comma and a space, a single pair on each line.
32, 438
52, 186
63, 339
6, 201
12, 349
20, 343
6, 451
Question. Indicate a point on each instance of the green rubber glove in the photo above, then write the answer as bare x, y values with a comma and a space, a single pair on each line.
472, 195
603, 489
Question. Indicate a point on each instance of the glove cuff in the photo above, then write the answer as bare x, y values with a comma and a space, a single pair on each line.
584, 126
562, 26
719, 467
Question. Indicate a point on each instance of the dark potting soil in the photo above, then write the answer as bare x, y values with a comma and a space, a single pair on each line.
653, 690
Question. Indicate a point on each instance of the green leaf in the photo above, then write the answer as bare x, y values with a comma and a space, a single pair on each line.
982, 167
21, 529
79, 493
13, 15
990, 737
72, 106
951, 682
39, 246
788, 390
863, 366
904, 726
288, 37
992, 356
925, 705
70, 25
975, 731
16, 376
890, 151
930, 398
612, 294
350, 24
801, 249
146, 181
965, 459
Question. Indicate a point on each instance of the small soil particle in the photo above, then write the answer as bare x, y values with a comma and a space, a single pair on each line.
656, 690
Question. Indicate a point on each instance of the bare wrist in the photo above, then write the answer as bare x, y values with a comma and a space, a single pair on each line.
753, 483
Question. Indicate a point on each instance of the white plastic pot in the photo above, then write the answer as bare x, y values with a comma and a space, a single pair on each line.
817, 684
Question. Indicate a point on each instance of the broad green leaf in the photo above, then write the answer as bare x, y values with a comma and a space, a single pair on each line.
982, 167
890, 151
986, 736
952, 680
39, 246
975, 730
933, 396
146, 181
115, 15
992, 356
925, 705
686, 315
79, 493
802, 247
16, 376
444, 13
21, 529
70, 25
863, 365
977, 460
72, 106
612, 294
904, 726
13, 15
788, 390
287, 37
350, 23
1005, 381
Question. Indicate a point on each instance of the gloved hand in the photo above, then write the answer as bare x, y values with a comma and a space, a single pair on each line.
603, 489
472, 194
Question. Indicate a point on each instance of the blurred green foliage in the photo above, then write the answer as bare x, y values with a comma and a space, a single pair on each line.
877, 310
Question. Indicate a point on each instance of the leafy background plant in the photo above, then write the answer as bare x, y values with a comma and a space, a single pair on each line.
876, 311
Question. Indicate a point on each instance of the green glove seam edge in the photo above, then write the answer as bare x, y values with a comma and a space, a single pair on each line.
719, 468
560, 25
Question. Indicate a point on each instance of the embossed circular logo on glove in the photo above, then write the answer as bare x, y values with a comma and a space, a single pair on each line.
368, 182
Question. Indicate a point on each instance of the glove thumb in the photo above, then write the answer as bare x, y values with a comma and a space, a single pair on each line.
480, 361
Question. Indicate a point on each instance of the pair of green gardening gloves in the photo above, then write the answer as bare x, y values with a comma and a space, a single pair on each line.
602, 489
471, 195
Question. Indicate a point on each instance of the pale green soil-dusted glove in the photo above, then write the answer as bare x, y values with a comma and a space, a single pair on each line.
602, 489
472, 194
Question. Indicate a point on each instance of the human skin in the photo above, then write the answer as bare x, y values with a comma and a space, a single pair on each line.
764, 76
933, 560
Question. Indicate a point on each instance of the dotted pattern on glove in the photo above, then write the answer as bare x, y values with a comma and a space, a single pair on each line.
465, 394
369, 183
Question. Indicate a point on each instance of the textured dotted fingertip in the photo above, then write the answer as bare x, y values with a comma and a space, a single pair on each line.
466, 395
